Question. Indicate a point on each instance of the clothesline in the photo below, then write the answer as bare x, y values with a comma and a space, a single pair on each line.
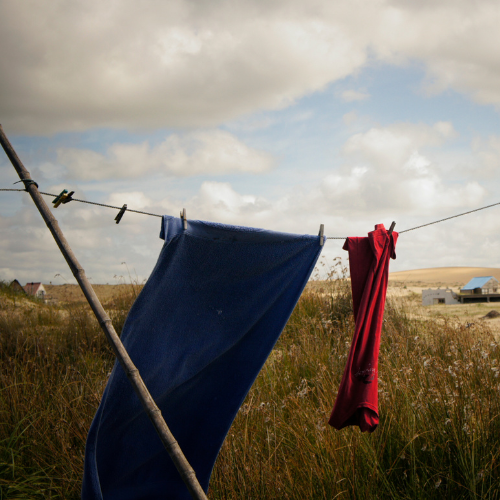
92, 203
125, 209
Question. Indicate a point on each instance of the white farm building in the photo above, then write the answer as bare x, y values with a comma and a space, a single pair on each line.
479, 289
431, 297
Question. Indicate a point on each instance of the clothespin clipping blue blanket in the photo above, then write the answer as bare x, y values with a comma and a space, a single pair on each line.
199, 333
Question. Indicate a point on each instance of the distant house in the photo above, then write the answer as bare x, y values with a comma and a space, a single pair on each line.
481, 289
15, 286
432, 297
35, 289
481, 285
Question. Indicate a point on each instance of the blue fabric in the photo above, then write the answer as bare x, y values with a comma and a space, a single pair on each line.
199, 333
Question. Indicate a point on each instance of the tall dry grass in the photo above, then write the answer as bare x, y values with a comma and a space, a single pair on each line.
439, 432
54, 363
439, 390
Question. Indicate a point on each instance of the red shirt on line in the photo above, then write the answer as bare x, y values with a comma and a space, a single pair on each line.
357, 399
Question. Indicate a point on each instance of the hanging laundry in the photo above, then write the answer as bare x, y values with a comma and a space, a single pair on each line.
199, 333
357, 399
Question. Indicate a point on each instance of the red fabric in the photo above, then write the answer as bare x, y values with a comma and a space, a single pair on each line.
357, 399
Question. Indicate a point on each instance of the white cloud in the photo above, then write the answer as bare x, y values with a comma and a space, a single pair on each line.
488, 154
161, 64
417, 164
218, 201
354, 95
212, 152
386, 171
136, 200
457, 40
390, 147
165, 64
350, 118
392, 170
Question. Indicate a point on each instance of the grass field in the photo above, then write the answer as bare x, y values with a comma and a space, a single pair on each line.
408, 285
439, 391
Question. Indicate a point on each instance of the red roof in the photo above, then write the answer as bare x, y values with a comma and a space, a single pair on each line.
31, 288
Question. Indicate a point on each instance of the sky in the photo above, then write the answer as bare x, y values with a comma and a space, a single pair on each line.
279, 114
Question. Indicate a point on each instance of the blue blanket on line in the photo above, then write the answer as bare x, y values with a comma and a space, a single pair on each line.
199, 333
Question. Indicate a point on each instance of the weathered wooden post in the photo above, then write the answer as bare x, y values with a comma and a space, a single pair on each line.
185, 470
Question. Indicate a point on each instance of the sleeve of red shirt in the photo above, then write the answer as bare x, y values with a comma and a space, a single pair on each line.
357, 398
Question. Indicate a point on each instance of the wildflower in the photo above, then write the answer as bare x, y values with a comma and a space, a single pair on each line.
304, 388
320, 426
278, 354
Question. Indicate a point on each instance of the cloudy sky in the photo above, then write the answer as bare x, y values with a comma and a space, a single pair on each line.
276, 114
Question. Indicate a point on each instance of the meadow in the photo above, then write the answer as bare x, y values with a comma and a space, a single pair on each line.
439, 403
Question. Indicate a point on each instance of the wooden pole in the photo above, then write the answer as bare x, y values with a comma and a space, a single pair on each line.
185, 470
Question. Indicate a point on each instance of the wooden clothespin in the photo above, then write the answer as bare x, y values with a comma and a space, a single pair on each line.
62, 198
184, 218
118, 218
391, 229
321, 235
68, 197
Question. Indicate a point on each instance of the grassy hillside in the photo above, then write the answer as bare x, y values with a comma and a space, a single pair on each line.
444, 276
439, 435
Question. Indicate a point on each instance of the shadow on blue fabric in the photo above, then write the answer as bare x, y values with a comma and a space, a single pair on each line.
199, 333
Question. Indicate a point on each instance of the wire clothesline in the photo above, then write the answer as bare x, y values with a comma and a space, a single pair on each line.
92, 203
124, 208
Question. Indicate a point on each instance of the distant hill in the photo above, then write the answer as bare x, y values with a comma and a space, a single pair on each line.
451, 276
